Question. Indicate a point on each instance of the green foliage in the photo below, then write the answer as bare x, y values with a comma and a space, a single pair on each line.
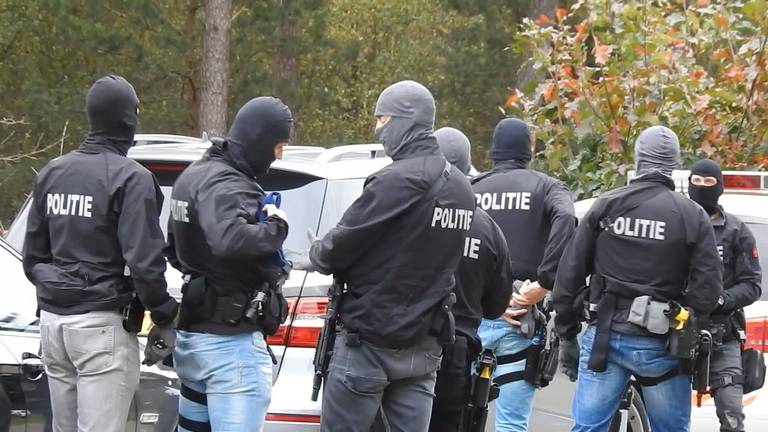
613, 68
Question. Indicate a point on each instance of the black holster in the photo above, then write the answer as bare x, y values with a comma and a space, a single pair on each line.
444, 323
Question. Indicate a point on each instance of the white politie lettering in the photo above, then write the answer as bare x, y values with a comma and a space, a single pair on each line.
720, 251
450, 218
179, 210
472, 248
59, 204
641, 228
504, 200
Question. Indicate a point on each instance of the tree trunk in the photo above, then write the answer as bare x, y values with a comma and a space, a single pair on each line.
190, 90
215, 71
285, 62
527, 75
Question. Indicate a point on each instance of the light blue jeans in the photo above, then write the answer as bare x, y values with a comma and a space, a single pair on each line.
235, 374
513, 407
598, 394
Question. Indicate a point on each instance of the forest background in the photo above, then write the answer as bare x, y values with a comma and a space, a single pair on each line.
587, 75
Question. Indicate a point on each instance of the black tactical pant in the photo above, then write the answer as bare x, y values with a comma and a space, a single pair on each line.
453, 386
395, 387
725, 365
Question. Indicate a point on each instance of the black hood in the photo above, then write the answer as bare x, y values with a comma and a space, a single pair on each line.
511, 141
259, 125
113, 114
706, 196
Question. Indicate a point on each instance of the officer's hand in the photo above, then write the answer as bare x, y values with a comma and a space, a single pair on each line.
530, 294
272, 210
569, 358
512, 314
302, 262
161, 341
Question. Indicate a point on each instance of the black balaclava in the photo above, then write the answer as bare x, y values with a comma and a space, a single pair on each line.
113, 114
259, 125
411, 108
706, 196
455, 147
511, 142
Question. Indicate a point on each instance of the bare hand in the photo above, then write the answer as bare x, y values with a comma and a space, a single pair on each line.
510, 315
272, 210
530, 294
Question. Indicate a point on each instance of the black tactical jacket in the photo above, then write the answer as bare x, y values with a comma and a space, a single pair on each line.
397, 249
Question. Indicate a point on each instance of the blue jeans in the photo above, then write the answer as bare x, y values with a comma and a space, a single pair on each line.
513, 407
235, 374
598, 393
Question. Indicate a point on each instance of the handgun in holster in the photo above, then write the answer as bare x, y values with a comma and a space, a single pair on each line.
701, 365
683, 335
133, 313
327, 337
483, 392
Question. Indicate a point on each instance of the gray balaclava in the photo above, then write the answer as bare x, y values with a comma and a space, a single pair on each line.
412, 110
455, 147
657, 150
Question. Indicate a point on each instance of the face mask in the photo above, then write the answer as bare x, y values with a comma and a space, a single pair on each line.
705, 196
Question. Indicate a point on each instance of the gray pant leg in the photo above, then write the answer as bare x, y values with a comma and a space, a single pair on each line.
353, 390
407, 401
105, 360
726, 361
62, 375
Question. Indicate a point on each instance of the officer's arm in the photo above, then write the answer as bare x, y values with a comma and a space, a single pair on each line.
747, 273
574, 267
559, 209
705, 275
499, 287
384, 198
37, 243
230, 232
141, 242
170, 248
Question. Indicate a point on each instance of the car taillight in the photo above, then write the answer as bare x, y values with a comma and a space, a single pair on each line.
157, 167
293, 418
757, 334
744, 181
303, 326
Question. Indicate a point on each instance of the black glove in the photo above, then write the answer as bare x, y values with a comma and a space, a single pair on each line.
160, 344
569, 358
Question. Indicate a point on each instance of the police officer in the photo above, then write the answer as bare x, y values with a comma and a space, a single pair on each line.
396, 247
483, 289
642, 246
536, 214
224, 238
96, 193
741, 284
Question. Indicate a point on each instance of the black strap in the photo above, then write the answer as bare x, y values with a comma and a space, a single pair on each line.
194, 395
193, 425
598, 360
726, 380
439, 182
513, 358
652, 381
509, 377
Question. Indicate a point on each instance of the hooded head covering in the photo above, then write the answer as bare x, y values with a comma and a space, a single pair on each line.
455, 147
511, 141
657, 150
113, 114
257, 128
706, 196
412, 110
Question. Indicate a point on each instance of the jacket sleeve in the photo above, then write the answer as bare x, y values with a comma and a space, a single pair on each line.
562, 224
385, 197
746, 271
37, 243
705, 274
141, 242
223, 207
170, 248
499, 287
575, 265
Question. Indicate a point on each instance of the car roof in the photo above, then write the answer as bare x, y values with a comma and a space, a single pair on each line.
341, 162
